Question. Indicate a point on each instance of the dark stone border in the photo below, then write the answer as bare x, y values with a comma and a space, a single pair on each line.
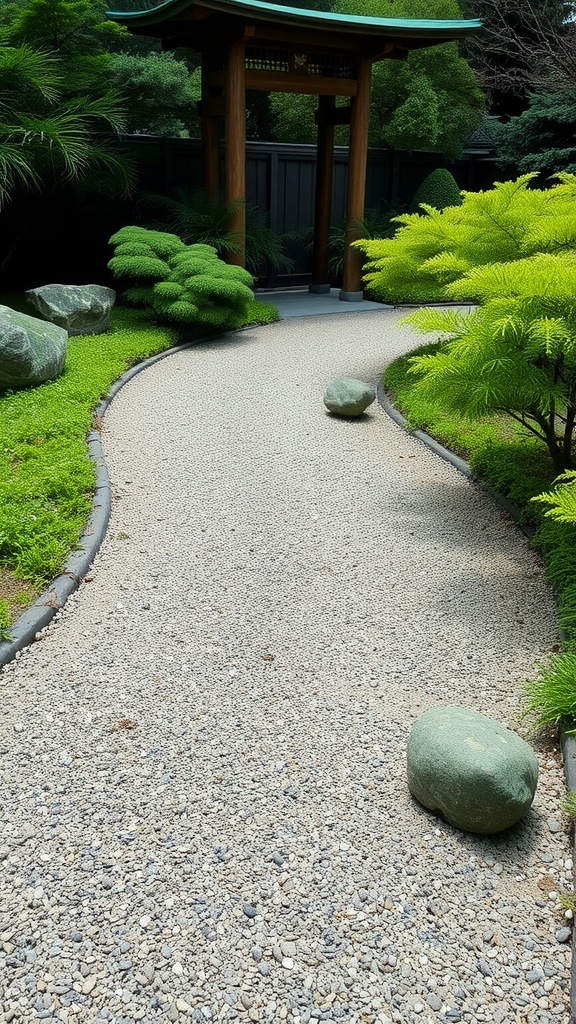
40, 614
567, 742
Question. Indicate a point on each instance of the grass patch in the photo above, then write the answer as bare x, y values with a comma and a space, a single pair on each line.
517, 465
47, 480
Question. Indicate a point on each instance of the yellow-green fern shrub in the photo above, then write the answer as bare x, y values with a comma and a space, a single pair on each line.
434, 248
182, 284
515, 354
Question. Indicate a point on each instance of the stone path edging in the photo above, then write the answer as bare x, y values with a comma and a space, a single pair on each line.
568, 742
50, 601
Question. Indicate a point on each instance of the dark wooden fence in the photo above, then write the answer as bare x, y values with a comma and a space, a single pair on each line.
64, 238
280, 180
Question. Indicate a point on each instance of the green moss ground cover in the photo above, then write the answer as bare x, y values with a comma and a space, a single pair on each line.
518, 466
47, 480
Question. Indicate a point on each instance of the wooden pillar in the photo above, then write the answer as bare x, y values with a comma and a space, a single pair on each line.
323, 199
210, 135
357, 158
235, 107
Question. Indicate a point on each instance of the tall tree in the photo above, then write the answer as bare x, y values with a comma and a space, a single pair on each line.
46, 138
429, 101
526, 45
543, 137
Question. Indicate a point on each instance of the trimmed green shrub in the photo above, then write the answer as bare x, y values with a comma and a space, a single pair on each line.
434, 248
182, 284
439, 189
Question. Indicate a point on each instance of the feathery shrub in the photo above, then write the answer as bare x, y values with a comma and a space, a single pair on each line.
434, 248
515, 354
182, 284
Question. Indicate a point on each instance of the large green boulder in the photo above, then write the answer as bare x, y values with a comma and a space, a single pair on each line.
348, 396
480, 776
78, 308
31, 351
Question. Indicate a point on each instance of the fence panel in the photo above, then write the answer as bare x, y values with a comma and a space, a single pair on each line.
280, 181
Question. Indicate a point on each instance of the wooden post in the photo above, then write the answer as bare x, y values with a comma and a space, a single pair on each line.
323, 199
210, 135
357, 158
235, 106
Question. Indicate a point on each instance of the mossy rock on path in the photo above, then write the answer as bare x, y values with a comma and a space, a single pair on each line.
480, 776
348, 396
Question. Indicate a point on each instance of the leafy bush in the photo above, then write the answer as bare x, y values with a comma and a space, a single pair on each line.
561, 499
515, 354
430, 250
182, 284
439, 189
552, 697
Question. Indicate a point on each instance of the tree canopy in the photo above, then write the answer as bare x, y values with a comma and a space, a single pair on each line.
429, 101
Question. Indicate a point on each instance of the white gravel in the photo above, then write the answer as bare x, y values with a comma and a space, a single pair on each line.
205, 807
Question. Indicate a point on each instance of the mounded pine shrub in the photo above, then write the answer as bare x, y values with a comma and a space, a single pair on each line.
182, 284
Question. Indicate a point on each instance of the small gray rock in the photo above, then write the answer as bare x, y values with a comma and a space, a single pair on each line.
478, 775
78, 308
563, 934
31, 351
347, 396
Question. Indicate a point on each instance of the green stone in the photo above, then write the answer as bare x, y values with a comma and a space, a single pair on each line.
475, 773
78, 308
348, 396
31, 351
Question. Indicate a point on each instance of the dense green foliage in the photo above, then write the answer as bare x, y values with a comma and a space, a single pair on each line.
429, 101
46, 137
432, 249
552, 696
439, 189
515, 354
561, 499
158, 92
182, 284
543, 137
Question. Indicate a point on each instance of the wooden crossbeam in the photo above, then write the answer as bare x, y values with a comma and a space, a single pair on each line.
281, 81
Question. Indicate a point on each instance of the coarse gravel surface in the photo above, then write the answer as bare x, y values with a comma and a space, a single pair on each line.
205, 811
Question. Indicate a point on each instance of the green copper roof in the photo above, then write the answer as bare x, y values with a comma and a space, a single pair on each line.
257, 10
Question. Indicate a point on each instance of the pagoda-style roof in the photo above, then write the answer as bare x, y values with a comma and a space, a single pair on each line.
251, 44
194, 20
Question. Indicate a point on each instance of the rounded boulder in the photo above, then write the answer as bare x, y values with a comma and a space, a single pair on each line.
347, 396
475, 773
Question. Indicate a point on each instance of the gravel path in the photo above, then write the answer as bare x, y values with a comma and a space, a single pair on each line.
205, 808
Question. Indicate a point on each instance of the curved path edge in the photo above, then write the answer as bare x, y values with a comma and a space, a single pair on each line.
568, 742
26, 629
